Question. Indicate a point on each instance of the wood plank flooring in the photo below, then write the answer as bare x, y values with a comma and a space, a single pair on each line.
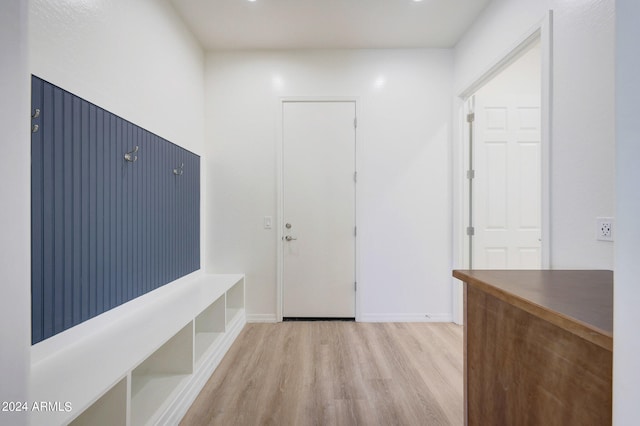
337, 373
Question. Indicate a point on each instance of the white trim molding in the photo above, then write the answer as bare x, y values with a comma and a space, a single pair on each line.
542, 31
419, 317
262, 318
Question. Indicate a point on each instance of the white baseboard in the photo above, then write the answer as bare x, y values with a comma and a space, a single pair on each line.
262, 318
443, 317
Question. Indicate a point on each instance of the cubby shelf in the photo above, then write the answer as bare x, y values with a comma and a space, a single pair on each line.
143, 362
204, 341
110, 409
209, 327
232, 313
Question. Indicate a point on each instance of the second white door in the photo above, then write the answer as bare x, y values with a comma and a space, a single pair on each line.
507, 210
507, 193
319, 209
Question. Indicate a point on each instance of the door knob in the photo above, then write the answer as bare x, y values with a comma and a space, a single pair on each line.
289, 238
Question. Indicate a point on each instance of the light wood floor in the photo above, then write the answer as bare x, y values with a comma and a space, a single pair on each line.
337, 373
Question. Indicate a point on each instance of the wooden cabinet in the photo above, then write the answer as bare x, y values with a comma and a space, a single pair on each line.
538, 347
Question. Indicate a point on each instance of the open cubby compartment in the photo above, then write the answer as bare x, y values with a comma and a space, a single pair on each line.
156, 381
235, 300
109, 410
210, 326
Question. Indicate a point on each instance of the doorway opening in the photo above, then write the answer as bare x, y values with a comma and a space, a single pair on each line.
540, 35
504, 167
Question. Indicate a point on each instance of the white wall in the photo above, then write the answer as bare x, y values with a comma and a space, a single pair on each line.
15, 226
582, 145
626, 342
404, 189
136, 59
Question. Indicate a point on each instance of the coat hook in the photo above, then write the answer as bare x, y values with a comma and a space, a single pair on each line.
130, 156
34, 128
178, 171
36, 113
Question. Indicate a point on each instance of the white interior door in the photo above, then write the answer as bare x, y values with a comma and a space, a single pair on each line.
319, 209
507, 187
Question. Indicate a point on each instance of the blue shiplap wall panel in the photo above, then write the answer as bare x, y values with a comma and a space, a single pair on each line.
84, 211
37, 247
47, 203
58, 210
104, 230
68, 211
77, 210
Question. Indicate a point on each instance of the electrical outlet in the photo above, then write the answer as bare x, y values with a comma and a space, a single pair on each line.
604, 229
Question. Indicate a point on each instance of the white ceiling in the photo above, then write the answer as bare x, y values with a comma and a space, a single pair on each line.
337, 24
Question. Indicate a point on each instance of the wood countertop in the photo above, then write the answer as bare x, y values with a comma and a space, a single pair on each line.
580, 301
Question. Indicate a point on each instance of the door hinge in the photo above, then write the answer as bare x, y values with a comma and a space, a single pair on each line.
355, 177
355, 286
355, 122
471, 174
471, 230
355, 231
471, 117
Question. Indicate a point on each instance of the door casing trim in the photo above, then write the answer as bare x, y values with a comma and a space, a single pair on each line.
543, 30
